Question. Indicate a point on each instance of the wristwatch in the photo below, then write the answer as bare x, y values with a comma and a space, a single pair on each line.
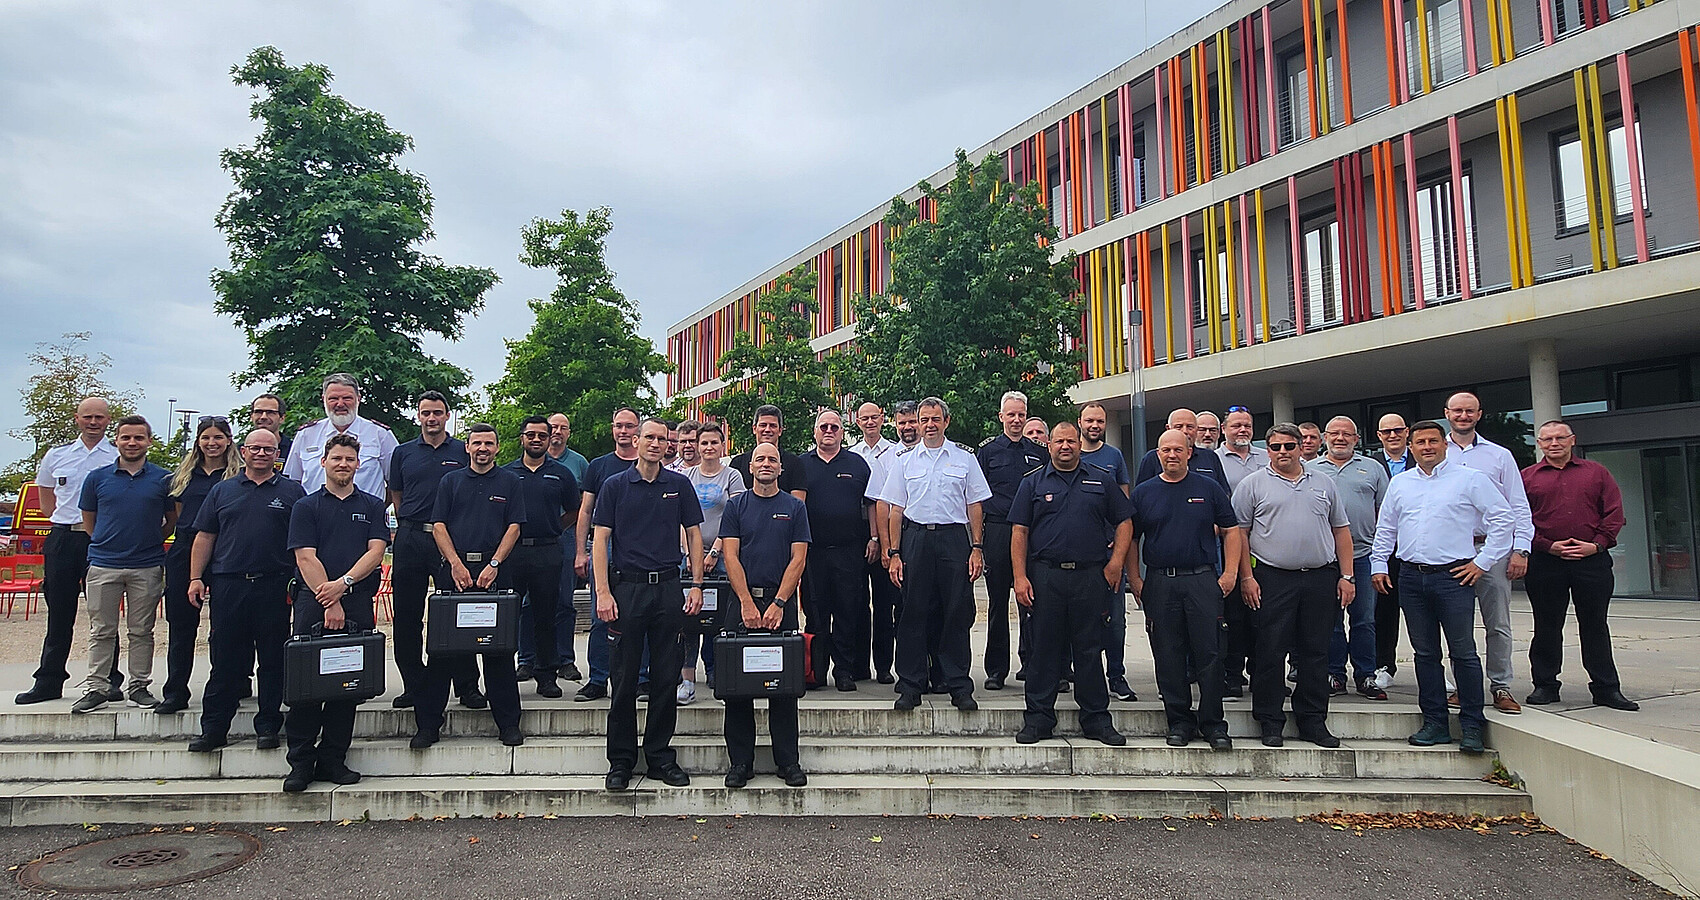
976, 546
893, 553
494, 563
348, 580
1522, 553
1349, 579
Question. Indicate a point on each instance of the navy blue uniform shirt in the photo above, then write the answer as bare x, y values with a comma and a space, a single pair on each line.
129, 516
251, 523
1005, 463
765, 527
1070, 516
602, 468
416, 468
338, 531
1203, 462
547, 492
837, 501
646, 517
478, 508
1177, 522
194, 494
791, 476
1106, 457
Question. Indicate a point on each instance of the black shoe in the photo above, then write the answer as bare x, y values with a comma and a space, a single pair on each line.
266, 741
793, 776
512, 737
571, 673
1122, 691
618, 779
1030, 735
247, 689
524, 673
591, 691
1320, 736
172, 705
1542, 696
39, 694
1336, 686
1064, 687
738, 776
643, 693
1368, 688
114, 695
672, 775
475, 700
424, 739
1233, 691
1431, 734
1179, 738
1221, 742
547, 687
1020, 674
1471, 741
1273, 739
1109, 737
994, 684
906, 701
402, 701
964, 701
846, 683
298, 779
1616, 700
887, 678
336, 773
207, 743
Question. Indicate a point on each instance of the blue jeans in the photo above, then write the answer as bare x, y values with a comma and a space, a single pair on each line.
566, 614
1434, 603
1361, 644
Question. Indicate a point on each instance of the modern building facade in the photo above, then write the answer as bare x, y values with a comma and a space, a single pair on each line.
1324, 207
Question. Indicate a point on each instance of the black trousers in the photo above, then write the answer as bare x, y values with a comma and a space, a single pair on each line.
1183, 614
887, 602
182, 619
740, 726
1296, 617
1000, 586
836, 605
651, 617
1387, 620
319, 732
430, 704
65, 563
534, 572
1239, 640
414, 563
250, 620
936, 594
1553, 584
1068, 618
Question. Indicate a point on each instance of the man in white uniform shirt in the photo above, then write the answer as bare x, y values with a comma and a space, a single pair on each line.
341, 396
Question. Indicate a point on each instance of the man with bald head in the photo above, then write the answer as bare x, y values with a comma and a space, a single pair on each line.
1207, 464
1394, 456
60, 480
836, 606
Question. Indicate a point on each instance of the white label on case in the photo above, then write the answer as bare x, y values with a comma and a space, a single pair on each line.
710, 599
764, 659
334, 660
475, 615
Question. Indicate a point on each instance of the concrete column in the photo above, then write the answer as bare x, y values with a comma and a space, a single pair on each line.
1543, 380
1282, 399
1114, 419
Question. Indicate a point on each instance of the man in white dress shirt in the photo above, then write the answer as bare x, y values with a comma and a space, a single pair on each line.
341, 396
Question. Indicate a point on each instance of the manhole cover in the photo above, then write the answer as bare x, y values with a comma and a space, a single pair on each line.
139, 862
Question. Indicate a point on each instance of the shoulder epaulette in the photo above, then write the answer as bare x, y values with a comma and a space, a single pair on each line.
380, 424
906, 448
988, 442
964, 447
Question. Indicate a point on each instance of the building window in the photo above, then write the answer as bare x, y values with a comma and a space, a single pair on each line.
1569, 15
1214, 137
1652, 386
1320, 258
1293, 111
1437, 238
1139, 165
1572, 205
1445, 31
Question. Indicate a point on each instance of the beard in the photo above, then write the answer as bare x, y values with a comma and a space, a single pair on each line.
342, 421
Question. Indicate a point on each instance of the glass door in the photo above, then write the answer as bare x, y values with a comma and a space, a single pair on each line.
1670, 521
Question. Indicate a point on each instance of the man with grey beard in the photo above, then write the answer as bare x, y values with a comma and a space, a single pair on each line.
341, 396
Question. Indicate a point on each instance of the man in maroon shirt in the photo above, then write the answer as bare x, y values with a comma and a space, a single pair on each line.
1578, 512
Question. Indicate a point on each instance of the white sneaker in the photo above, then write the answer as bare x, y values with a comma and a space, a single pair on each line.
687, 693
1383, 678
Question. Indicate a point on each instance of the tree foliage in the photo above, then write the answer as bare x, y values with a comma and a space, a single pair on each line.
326, 275
583, 355
975, 307
782, 369
63, 373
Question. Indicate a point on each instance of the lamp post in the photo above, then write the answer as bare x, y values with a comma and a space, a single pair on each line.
1132, 320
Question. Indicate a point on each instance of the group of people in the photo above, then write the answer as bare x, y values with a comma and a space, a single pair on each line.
1246, 560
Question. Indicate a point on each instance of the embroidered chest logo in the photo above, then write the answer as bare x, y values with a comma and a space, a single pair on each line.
277, 503
497, 498
784, 517
358, 517
668, 495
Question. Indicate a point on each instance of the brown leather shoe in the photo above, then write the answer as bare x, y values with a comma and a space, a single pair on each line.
1452, 700
1505, 703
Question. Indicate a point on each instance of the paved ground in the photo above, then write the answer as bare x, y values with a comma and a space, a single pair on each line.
876, 858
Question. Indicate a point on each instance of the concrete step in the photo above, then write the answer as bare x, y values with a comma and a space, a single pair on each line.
927, 755
262, 800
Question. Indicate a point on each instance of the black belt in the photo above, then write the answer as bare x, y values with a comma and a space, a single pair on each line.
659, 576
1179, 571
249, 576
1331, 564
1071, 566
540, 542
77, 528
414, 524
911, 523
1431, 570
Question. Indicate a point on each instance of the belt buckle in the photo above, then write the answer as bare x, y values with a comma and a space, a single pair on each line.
474, 557
758, 592
1068, 565
1170, 572
654, 577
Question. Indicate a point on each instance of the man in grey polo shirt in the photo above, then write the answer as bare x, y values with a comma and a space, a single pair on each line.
1297, 532
1240, 457
1362, 484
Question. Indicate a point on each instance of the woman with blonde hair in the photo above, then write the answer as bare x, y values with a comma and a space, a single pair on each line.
212, 459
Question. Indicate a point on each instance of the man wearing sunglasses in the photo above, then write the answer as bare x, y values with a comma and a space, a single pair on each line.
837, 601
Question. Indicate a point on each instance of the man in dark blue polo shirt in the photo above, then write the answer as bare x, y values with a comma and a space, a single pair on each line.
1068, 542
416, 468
550, 494
476, 522
125, 507
624, 426
241, 562
1179, 514
839, 614
338, 534
1006, 458
765, 534
635, 556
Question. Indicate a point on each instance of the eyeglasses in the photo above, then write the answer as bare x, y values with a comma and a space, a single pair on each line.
827, 427
257, 410
1391, 430
544, 435
1235, 409
220, 421
262, 451
1288, 446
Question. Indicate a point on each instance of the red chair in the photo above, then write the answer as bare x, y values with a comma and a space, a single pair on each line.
385, 610
21, 574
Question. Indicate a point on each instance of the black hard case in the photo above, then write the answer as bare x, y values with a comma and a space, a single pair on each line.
333, 666
717, 598
733, 660
459, 623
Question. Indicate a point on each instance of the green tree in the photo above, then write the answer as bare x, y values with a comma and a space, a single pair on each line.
64, 373
326, 275
583, 355
781, 369
976, 306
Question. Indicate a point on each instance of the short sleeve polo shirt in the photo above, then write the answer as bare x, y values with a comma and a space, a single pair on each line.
765, 527
646, 517
250, 525
478, 507
129, 511
339, 531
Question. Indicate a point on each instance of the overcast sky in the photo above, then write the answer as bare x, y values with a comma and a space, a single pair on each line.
725, 136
